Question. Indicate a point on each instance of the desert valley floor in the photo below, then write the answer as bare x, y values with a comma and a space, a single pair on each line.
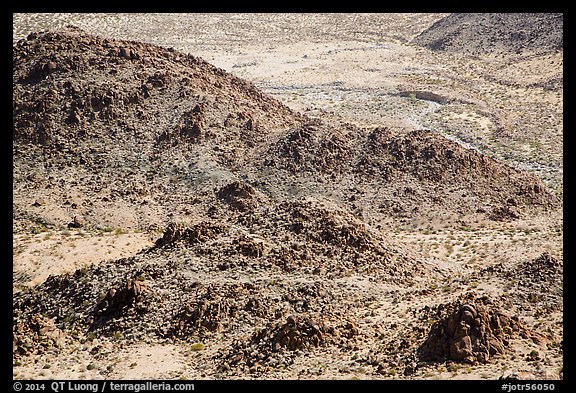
287, 196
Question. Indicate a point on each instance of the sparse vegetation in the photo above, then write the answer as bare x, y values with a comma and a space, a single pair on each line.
331, 241
197, 347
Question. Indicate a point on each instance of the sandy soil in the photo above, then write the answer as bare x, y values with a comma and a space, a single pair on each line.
353, 66
339, 67
35, 257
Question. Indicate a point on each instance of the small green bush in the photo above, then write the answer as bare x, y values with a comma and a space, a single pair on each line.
197, 346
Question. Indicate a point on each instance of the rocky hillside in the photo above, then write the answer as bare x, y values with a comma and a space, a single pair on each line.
273, 229
95, 121
503, 33
263, 307
184, 285
403, 175
124, 134
117, 133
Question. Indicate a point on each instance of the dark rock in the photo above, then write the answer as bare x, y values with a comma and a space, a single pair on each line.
118, 299
77, 222
504, 213
126, 294
126, 53
197, 233
39, 202
471, 330
238, 195
51, 66
250, 247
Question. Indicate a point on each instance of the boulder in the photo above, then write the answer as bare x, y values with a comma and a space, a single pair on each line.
240, 196
77, 222
470, 330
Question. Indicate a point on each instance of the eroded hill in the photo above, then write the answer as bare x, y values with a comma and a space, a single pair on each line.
132, 135
495, 33
273, 249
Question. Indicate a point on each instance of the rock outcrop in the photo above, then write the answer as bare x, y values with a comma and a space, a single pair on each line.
507, 33
471, 330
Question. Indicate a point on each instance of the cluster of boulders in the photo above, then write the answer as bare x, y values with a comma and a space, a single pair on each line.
127, 294
504, 213
35, 335
194, 234
191, 128
212, 311
471, 330
544, 268
240, 196
313, 147
280, 341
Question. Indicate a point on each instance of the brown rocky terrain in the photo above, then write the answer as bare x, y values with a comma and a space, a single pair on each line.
91, 144
246, 239
209, 127
491, 33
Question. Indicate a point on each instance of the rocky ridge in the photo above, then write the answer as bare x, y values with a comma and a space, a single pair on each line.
144, 125
274, 240
495, 33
